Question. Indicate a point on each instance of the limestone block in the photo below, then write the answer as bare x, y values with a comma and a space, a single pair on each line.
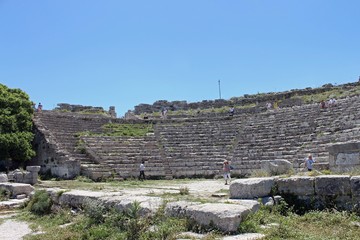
3, 177
75, 198
332, 185
348, 159
355, 186
299, 186
18, 176
148, 205
251, 188
226, 217
276, 167
18, 188
33, 168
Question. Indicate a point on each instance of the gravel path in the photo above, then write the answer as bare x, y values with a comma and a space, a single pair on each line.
13, 230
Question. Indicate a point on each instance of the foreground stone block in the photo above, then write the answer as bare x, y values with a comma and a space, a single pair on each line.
18, 188
332, 185
251, 188
226, 217
300, 186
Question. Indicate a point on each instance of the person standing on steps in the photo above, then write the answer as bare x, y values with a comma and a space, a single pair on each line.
226, 169
309, 161
142, 171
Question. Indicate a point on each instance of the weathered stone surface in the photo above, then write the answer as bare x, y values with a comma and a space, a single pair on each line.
66, 170
251, 188
12, 203
148, 205
300, 186
355, 186
277, 166
226, 217
245, 236
18, 188
33, 168
75, 198
3, 177
332, 185
344, 156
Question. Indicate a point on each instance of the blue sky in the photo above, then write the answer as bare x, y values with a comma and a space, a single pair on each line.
123, 53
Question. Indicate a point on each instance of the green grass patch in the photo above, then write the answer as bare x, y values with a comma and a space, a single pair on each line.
279, 223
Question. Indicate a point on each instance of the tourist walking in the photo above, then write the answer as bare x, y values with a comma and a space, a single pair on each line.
309, 161
227, 169
142, 171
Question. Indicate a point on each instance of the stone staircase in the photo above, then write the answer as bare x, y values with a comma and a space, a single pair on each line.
64, 129
197, 148
124, 154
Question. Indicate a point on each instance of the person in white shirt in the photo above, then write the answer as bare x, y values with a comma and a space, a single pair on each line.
309, 161
142, 171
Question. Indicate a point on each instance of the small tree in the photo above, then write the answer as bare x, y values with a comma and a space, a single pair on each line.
15, 125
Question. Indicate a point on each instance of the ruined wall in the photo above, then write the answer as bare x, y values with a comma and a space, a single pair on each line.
339, 191
50, 158
344, 156
287, 98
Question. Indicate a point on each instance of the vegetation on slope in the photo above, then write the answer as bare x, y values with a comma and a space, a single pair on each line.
122, 130
15, 125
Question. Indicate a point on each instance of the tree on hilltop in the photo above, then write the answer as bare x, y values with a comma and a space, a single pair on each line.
15, 125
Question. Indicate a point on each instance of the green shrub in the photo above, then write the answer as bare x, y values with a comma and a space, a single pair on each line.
40, 203
95, 210
184, 191
4, 194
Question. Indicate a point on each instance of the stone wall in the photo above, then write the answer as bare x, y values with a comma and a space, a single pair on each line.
344, 156
339, 191
286, 99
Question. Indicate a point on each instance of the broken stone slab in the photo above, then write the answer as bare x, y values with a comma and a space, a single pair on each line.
332, 185
12, 203
254, 205
299, 186
18, 188
225, 217
75, 198
251, 188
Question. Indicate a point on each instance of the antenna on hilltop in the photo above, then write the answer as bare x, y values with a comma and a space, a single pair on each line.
219, 90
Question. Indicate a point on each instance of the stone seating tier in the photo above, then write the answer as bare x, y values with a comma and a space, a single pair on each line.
198, 146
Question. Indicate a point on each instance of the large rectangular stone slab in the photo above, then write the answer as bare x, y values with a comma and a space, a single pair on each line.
251, 188
300, 186
332, 185
225, 217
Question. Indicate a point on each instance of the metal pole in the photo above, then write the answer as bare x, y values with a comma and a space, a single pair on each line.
219, 89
